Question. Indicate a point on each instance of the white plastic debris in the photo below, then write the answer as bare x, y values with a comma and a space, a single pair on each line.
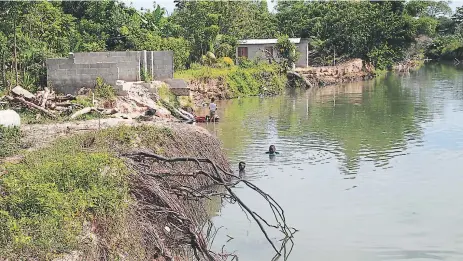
9, 118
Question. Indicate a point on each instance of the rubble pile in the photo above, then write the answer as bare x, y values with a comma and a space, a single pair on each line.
46, 101
138, 102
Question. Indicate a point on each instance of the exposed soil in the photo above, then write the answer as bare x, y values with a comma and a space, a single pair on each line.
350, 71
203, 91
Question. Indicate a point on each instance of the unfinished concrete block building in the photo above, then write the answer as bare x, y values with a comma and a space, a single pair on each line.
68, 75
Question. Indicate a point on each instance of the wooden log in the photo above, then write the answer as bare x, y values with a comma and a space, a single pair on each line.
31, 105
82, 112
68, 97
108, 111
187, 114
65, 104
296, 75
45, 97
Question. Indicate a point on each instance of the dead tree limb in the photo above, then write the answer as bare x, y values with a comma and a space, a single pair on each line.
223, 178
31, 105
45, 97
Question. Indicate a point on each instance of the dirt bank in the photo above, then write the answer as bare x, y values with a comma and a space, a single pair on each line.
117, 190
351, 71
203, 91
205, 88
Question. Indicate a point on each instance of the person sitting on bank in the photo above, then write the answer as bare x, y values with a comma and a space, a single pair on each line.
212, 109
272, 150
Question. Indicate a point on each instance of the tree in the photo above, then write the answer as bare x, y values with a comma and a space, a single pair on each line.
419, 8
458, 16
287, 52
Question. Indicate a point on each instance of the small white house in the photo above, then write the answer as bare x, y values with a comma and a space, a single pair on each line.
263, 48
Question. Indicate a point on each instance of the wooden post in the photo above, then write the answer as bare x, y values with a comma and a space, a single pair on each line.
334, 56
3, 70
15, 56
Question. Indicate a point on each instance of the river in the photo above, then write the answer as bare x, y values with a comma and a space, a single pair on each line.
367, 171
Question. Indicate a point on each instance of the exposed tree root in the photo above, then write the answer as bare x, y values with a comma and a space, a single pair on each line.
159, 182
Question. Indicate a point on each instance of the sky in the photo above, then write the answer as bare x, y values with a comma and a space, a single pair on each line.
169, 4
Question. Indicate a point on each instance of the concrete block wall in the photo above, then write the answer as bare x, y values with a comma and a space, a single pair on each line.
128, 62
82, 69
303, 48
159, 64
163, 65
65, 76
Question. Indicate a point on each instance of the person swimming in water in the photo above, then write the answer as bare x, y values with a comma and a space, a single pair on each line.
241, 167
272, 150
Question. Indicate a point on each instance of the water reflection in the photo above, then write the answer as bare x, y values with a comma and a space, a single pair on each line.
397, 140
370, 121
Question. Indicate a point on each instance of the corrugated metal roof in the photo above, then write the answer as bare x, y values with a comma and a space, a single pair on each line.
267, 41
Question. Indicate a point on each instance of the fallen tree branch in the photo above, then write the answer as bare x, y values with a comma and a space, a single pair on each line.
31, 105
45, 97
82, 112
298, 76
142, 160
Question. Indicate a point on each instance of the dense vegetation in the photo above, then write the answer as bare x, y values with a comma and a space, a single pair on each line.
382, 32
74, 195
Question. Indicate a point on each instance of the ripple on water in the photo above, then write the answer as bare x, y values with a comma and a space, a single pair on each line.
392, 144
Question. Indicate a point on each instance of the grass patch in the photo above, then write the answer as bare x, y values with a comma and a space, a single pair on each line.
262, 78
10, 139
46, 199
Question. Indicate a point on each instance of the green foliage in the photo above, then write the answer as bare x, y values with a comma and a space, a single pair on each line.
257, 78
167, 97
104, 90
49, 196
426, 26
382, 56
446, 47
9, 141
181, 49
244, 62
145, 76
262, 79
347, 29
287, 52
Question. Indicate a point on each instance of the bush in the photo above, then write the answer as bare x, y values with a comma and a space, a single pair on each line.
181, 49
446, 47
287, 52
9, 141
227, 61
104, 90
383, 57
244, 62
225, 50
49, 195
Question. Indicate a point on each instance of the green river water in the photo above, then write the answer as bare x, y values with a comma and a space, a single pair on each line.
367, 171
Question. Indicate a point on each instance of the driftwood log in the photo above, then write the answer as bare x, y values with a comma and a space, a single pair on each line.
45, 97
90, 109
31, 105
292, 74
224, 183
